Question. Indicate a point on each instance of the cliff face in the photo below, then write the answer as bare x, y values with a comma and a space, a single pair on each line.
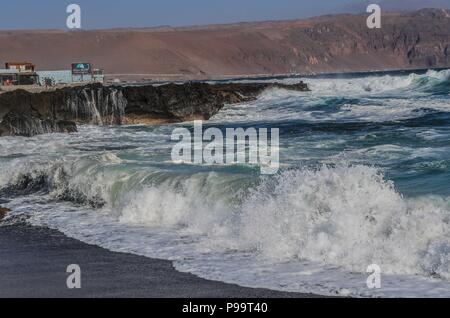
326, 44
27, 114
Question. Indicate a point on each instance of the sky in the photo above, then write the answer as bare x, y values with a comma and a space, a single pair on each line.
102, 14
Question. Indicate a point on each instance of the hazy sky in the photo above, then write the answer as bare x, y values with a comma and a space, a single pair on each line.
51, 14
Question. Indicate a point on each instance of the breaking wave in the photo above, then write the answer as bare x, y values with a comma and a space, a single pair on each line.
367, 99
432, 81
347, 216
352, 217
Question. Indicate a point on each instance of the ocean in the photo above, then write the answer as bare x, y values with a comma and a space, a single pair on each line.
364, 179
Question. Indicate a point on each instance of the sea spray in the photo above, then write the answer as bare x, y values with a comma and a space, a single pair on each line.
98, 105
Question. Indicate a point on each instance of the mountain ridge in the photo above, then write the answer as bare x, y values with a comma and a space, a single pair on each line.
332, 43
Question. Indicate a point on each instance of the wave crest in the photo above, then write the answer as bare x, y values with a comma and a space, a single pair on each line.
351, 217
348, 216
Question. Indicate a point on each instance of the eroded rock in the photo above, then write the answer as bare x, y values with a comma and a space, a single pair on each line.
27, 114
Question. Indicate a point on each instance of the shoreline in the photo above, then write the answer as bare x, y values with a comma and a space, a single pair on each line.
33, 263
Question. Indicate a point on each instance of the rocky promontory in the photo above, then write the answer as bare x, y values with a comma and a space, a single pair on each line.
27, 114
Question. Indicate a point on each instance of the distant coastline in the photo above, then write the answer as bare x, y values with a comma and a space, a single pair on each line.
316, 46
401, 71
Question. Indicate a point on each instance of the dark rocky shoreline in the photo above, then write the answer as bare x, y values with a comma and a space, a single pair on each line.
27, 114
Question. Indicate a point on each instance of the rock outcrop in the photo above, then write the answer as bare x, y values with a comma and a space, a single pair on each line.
27, 114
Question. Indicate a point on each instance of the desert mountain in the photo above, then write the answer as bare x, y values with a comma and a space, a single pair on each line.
336, 43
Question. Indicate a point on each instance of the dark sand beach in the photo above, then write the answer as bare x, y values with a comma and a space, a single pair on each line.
33, 263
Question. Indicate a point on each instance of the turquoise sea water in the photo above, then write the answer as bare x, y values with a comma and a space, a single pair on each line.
364, 179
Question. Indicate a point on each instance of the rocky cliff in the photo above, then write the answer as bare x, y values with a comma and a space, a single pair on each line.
26, 114
337, 43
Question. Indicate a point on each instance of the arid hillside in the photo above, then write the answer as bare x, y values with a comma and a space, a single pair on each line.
338, 43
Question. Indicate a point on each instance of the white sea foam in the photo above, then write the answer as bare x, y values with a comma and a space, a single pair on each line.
374, 99
373, 85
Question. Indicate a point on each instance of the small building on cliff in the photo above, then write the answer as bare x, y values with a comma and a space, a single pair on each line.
23, 67
24, 73
18, 73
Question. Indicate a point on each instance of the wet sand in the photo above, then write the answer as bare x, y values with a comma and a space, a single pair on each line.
33, 263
